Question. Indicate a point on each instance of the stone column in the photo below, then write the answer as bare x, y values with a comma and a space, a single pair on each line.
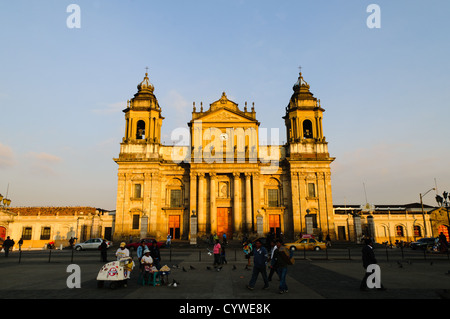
193, 232
201, 203
260, 224
212, 202
256, 194
248, 201
237, 213
295, 203
193, 193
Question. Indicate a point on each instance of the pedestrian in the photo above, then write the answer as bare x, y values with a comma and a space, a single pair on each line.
272, 260
224, 239
71, 241
216, 252
7, 245
282, 256
260, 257
248, 252
168, 241
328, 240
140, 250
223, 258
368, 258
155, 254
443, 244
103, 250
20, 243
122, 252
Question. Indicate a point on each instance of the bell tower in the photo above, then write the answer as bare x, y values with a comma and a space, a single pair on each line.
309, 163
303, 121
143, 124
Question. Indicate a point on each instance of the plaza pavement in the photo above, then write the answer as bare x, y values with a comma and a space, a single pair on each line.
40, 275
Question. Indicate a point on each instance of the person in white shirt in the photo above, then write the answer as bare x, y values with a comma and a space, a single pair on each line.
122, 252
272, 261
147, 260
147, 264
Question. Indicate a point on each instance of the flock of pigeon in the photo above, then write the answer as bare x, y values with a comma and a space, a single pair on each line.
176, 266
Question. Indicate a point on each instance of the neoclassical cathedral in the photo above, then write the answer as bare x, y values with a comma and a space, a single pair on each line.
217, 178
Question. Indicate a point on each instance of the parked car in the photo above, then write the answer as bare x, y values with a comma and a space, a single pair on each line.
423, 243
148, 243
92, 243
306, 244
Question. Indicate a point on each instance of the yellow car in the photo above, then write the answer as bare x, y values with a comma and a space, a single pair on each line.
306, 244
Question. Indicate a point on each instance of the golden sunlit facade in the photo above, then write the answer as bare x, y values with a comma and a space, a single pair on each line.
217, 178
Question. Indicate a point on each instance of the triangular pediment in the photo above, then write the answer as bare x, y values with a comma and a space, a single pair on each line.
225, 115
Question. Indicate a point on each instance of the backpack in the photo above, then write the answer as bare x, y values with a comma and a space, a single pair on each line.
287, 258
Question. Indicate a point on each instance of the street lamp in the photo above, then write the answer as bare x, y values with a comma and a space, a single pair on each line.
423, 214
6, 202
444, 201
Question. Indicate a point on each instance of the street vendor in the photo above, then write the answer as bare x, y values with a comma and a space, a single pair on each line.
147, 264
147, 260
122, 252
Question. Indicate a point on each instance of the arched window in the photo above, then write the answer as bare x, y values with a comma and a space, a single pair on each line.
399, 231
417, 231
140, 130
307, 129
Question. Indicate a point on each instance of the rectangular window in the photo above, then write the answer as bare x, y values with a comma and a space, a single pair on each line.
45, 233
137, 190
175, 198
26, 233
272, 195
136, 221
311, 190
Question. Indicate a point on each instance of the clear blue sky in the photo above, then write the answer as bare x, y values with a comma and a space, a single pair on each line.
385, 91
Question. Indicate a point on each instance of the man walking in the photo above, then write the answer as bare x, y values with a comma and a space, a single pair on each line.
7, 244
368, 258
259, 265
281, 256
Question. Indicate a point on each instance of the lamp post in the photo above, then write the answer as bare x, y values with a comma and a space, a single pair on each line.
6, 202
423, 214
444, 201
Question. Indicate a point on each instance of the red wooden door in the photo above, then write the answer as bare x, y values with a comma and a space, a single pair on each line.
174, 226
224, 222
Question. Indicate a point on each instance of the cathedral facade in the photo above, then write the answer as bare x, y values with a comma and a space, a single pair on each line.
218, 179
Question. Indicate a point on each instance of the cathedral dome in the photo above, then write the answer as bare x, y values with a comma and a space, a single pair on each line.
145, 85
301, 83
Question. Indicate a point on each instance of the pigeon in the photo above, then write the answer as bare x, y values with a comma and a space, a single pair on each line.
175, 266
207, 267
184, 269
219, 268
174, 282
399, 264
234, 267
431, 263
192, 267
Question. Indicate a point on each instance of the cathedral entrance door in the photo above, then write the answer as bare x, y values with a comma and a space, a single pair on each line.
275, 224
224, 222
174, 226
